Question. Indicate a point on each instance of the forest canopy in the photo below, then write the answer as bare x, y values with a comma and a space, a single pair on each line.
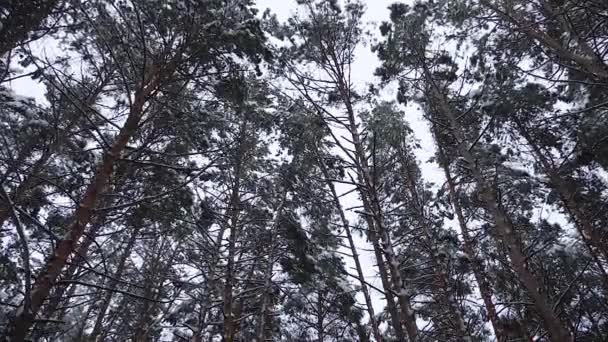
202, 170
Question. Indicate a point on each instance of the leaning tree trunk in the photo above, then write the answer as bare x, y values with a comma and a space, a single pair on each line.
394, 312
371, 203
506, 231
79, 258
77, 261
442, 278
372, 206
595, 240
63, 292
105, 301
353, 248
24, 319
468, 247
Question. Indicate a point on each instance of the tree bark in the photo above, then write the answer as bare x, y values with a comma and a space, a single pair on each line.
153, 267
353, 248
320, 317
63, 292
261, 326
234, 212
23, 320
468, 247
373, 208
105, 301
439, 270
506, 233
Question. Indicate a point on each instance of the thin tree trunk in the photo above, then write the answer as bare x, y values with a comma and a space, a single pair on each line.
240, 305
396, 317
594, 239
261, 327
372, 206
506, 232
469, 249
211, 284
210, 287
438, 269
234, 212
353, 248
229, 323
152, 290
105, 301
320, 317
23, 320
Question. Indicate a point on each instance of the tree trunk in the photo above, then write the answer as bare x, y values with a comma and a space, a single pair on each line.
105, 301
22, 321
506, 232
437, 267
396, 317
372, 207
59, 294
152, 290
234, 212
469, 249
353, 249
595, 240
261, 327
241, 304
320, 317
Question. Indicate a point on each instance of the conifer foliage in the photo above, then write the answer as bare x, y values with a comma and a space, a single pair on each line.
197, 170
